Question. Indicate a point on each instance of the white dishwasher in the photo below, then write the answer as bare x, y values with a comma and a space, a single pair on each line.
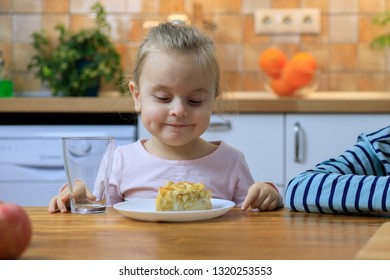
31, 163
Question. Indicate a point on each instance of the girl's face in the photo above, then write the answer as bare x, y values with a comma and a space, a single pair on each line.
174, 98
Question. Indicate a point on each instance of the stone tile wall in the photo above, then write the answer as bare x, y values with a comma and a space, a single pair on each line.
346, 62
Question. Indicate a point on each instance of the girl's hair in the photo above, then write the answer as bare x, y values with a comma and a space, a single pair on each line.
183, 39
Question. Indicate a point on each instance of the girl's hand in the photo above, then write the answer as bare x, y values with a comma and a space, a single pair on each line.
263, 196
61, 202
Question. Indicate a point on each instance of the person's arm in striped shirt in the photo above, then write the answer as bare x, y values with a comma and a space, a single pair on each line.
356, 181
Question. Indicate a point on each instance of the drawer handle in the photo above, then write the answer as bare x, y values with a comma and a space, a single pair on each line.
297, 145
222, 125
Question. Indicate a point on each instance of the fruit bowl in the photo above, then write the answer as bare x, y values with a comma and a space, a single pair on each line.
289, 77
300, 92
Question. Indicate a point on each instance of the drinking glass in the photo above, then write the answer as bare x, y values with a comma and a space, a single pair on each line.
88, 162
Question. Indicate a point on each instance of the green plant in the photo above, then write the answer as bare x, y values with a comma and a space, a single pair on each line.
78, 61
382, 41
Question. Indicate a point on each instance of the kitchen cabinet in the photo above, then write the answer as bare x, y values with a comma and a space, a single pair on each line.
278, 147
263, 129
259, 136
313, 138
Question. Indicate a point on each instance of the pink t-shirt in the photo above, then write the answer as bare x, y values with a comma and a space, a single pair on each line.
138, 174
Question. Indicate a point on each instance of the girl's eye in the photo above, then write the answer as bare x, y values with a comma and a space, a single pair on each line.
163, 99
195, 102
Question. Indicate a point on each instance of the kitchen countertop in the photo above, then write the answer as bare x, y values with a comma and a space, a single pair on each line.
240, 102
274, 235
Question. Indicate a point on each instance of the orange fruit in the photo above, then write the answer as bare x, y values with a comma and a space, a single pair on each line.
272, 61
281, 87
298, 74
306, 57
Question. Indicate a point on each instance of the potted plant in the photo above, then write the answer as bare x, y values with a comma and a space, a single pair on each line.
381, 41
75, 65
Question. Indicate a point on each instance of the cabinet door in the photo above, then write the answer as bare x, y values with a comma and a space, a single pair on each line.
259, 137
313, 138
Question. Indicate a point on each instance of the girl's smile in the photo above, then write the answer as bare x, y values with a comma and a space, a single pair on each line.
178, 125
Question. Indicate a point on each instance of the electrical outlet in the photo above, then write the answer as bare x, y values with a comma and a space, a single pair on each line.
309, 21
265, 21
278, 21
287, 21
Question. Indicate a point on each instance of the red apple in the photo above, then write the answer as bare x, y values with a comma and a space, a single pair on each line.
15, 231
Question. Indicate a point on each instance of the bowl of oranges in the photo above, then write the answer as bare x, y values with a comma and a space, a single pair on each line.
288, 77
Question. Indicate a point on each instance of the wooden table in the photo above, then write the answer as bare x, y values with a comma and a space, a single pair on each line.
236, 235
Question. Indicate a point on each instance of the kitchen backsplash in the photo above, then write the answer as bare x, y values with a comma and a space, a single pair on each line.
346, 62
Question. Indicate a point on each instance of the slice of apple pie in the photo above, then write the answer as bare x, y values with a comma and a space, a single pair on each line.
183, 196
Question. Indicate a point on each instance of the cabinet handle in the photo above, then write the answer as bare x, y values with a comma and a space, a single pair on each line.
297, 139
221, 125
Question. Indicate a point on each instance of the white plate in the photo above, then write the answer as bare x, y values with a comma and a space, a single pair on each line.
145, 210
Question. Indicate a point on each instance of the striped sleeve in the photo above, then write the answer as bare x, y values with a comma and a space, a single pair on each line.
356, 181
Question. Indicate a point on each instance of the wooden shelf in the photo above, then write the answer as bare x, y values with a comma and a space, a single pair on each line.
240, 102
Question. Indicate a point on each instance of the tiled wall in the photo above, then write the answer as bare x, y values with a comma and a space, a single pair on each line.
346, 62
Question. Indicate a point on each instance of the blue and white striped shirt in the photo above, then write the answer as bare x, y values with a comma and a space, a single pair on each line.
356, 181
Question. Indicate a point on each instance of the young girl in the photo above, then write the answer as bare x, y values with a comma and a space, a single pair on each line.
176, 81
